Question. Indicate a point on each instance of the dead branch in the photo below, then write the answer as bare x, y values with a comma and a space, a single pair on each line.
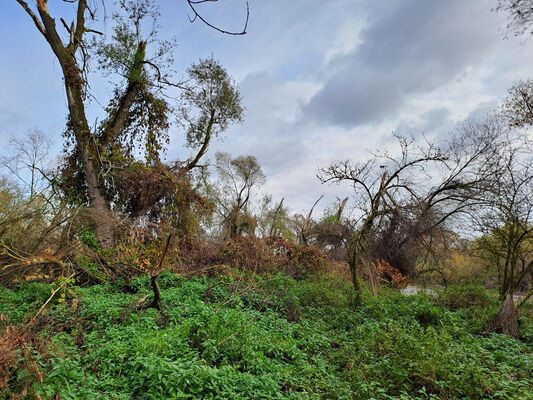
307, 221
197, 15
156, 303
32, 321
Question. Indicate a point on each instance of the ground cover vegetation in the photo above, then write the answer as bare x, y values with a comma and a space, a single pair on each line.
125, 275
234, 336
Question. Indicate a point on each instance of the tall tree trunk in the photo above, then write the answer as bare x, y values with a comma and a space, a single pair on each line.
74, 84
353, 259
103, 221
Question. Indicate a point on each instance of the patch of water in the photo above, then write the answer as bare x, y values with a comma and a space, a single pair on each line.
412, 290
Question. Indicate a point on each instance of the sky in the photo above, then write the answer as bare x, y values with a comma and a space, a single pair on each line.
320, 80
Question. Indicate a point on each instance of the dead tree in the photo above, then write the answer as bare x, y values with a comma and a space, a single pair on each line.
444, 181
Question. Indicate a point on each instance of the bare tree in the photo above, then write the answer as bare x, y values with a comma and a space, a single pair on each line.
380, 184
26, 159
520, 15
517, 107
508, 227
508, 240
238, 176
435, 183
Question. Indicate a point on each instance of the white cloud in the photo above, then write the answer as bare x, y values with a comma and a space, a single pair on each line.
321, 80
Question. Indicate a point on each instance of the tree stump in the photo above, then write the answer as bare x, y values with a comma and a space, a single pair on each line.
506, 321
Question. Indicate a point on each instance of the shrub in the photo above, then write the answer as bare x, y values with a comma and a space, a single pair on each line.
464, 295
271, 255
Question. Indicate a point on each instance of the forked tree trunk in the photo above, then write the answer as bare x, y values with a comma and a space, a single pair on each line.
74, 84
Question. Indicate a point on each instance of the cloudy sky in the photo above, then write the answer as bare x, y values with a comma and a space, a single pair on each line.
320, 80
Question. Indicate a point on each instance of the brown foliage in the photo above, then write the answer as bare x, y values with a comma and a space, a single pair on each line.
15, 355
197, 256
296, 259
251, 254
389, 275
33, 241
248, 253
159, 192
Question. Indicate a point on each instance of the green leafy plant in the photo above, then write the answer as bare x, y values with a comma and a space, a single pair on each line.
264, 337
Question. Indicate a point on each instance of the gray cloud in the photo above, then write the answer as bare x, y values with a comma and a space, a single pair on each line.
431, 123
270, 130
482, 110
412, 48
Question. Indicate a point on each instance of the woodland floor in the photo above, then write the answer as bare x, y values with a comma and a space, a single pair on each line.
269, 337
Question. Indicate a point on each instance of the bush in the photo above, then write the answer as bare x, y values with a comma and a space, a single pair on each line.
464, 295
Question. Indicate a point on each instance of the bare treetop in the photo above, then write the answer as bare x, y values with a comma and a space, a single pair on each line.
520, 15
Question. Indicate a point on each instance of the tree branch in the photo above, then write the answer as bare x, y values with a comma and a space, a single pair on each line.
112, 130
33, 16
197, 15
192, 164
77, 34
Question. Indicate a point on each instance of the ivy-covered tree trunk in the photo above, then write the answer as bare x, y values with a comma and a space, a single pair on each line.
210, 102
102, 217
87, 143
74, 83
103, 220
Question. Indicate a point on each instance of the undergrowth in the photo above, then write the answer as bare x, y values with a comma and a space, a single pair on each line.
269, 337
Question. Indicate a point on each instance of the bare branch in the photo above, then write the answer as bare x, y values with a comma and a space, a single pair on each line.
198, 16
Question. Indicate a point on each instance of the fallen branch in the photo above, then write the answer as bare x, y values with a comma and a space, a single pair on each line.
32, 321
